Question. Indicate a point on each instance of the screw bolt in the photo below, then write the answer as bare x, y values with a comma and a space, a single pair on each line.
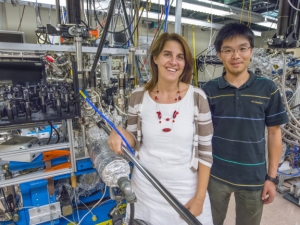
16, 217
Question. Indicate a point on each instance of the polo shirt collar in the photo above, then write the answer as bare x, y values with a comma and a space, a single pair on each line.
223, 83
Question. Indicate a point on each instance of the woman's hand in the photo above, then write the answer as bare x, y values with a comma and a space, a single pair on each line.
195, 206
115, 141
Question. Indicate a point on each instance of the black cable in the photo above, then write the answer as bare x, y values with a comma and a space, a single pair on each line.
39, 39
204, 51
50, 133
118, 15
131, 39
134, 28
101, 44
87, 26
102, 40
57, 133
111, 32
131, 214
7, 205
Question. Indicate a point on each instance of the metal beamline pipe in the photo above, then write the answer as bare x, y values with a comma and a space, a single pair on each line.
181, 210
58, 14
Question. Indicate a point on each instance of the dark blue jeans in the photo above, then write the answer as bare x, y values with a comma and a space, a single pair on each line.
249, 206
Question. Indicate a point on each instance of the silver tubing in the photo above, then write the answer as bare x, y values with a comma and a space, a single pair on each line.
83, 141
78, 45
71, 141
178, 9
185, 214
181, 210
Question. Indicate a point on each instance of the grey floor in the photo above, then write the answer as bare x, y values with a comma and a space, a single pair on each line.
280, 212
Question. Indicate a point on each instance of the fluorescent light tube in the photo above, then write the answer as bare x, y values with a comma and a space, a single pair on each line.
197, 8
47, 2
268, 24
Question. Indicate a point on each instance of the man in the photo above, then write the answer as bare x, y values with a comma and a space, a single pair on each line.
242, 104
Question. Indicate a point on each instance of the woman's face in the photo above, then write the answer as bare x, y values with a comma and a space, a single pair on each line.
170, 61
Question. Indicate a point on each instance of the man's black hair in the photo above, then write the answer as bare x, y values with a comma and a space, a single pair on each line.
232, 30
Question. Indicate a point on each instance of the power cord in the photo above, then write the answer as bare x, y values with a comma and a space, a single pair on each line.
93, 206
51, 127
134, 28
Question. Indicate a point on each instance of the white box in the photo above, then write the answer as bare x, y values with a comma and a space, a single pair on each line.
20, 143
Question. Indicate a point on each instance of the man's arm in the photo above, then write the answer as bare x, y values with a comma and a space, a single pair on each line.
274, 154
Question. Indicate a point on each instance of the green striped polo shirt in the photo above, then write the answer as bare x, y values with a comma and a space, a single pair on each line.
239, 118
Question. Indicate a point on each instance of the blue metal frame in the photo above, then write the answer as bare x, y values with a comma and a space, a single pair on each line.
35, 194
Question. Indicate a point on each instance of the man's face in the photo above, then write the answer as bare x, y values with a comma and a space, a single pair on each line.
235, 55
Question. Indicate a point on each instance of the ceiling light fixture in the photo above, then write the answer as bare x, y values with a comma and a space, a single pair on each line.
188, 21
268, 22
197, 8
47, 2
272, 25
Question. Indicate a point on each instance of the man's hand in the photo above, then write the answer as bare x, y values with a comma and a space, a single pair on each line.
195, 206
269, 192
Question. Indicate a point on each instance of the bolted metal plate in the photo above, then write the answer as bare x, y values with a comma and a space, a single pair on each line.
44, 213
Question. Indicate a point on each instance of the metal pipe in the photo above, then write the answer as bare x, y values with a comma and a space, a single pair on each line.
296, 20
83, 140
181, 210
71, 141
125, 186
283, 18
58, 15
78, 45
90, 13
76, 88
178, 10
38, 15
73, 10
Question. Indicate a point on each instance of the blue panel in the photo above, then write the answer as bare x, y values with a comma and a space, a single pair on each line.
84, 164
36, 163
101, 212
39, 192
35, 193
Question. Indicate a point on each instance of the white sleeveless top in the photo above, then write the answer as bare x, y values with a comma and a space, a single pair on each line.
167, 156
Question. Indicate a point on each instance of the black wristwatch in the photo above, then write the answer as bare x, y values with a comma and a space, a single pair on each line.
274, 180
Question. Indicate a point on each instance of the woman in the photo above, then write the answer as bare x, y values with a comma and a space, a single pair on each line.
170, 126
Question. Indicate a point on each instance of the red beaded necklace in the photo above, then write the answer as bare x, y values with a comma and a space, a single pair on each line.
175, 113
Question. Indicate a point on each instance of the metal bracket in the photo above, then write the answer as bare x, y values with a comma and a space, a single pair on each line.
44, 213
282, 177
141, 52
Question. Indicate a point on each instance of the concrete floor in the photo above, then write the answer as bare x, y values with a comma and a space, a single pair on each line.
280, 212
